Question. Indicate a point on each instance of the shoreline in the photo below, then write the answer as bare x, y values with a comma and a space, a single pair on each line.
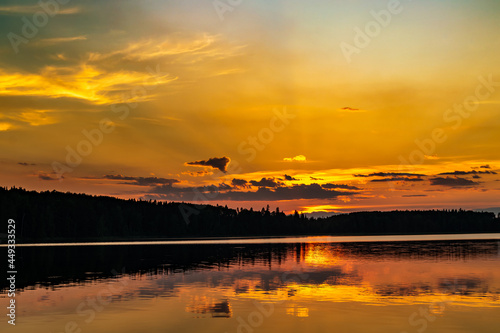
277, 239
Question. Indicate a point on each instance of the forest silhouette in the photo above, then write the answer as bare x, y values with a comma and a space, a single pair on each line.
53, 216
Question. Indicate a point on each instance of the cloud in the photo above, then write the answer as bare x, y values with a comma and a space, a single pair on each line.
30, 117
220, 193
142, 181
16, 10
46, 176
452, 182
215, 162
390, 174
265, 182
59, 40
302, 191
414, 195
150, 49
393, 176
349, 109
5, 126
314, 178
298, 158
26, 164
190, 48
487, 166
290, 178
397, 179
83, 82
239, 183
197, 173
191, 193
225, 186
340, 186
463, 173
111, 77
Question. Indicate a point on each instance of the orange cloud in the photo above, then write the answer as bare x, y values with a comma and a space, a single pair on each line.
15, 10
198, 47
84, 82
298, 158
58, 40
5, 126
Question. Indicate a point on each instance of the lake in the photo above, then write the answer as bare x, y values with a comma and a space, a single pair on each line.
399, 284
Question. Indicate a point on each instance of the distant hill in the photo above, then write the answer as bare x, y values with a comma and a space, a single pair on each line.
495, 210
55, 217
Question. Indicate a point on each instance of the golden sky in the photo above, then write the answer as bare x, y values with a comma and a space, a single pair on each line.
317, 106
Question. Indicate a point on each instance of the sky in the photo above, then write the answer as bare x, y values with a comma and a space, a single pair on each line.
318, 106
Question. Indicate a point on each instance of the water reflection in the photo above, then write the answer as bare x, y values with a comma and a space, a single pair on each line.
55, 266
177, 283
204, 305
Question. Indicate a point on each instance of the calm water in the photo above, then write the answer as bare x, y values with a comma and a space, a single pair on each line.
292, 285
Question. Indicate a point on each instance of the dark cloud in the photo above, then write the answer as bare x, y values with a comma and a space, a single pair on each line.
463, 173
313, 178
26, 164
397, 179
223, 187
290, 178
239, 182
487, 166
390, 174
393, 177
197, 173
347, 108
221, 192
452, 182
142, 181
45, 176
177, 192
266, 182
295, 192
215, 162
190, 191
340, 186
476, 177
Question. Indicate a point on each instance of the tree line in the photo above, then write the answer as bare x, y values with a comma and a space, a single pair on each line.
56, 216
